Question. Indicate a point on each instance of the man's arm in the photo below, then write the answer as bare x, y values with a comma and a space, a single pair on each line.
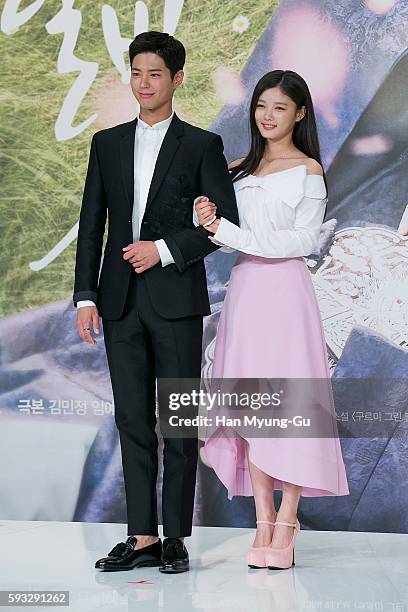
191, 245
90, 233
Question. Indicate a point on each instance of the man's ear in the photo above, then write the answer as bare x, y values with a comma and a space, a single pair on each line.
179, 78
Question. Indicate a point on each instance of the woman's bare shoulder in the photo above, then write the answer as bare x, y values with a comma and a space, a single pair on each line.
235, 163
313, 166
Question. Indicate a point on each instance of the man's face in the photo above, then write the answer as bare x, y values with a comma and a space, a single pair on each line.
151, 81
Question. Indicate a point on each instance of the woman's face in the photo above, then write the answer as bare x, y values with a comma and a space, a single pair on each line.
276, 114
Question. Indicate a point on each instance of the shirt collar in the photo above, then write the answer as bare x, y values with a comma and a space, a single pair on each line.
161, 125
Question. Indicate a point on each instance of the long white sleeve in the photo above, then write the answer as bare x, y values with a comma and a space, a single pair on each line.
299, 241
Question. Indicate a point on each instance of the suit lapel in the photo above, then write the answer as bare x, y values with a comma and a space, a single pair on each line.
127, 155
170, 144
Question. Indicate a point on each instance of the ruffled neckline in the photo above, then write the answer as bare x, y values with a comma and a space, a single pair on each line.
291, 183
303, 167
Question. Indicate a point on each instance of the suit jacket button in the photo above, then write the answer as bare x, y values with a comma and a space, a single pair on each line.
129, 220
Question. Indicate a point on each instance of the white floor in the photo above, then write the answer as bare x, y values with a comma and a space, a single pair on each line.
334, 571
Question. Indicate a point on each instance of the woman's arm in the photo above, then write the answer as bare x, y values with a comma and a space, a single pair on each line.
299, 241
201, 215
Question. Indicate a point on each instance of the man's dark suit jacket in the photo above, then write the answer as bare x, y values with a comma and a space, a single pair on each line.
190, 163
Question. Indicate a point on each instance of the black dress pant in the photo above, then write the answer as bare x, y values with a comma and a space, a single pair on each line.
142, 346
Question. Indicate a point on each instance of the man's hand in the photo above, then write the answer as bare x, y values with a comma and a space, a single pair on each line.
85, 316
142, 255
205, 210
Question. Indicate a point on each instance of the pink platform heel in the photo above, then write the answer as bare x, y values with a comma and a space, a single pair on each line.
256, 555
282, 558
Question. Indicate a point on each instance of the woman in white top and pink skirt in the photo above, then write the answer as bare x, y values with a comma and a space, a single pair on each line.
270, 324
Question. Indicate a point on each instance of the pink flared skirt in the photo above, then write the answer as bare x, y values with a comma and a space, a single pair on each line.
270, 327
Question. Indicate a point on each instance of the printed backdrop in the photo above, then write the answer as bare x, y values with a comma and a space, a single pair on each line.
66, 75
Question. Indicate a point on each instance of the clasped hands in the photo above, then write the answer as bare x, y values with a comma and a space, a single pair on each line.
206, 211
142, 255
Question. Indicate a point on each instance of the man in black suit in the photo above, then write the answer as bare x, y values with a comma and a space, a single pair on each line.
152, 291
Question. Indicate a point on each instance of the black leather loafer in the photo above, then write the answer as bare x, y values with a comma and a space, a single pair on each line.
174, 557
124, 557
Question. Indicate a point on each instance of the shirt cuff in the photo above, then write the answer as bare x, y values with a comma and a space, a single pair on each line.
165, 255
228, 233
82, 303
195, 216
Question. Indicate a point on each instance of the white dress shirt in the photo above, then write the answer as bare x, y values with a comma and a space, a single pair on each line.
148, 140
280, 214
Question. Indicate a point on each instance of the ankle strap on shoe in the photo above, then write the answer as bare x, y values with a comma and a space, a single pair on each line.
287, 524
266, 522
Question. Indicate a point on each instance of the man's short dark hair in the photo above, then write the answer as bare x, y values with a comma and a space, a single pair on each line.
172, 51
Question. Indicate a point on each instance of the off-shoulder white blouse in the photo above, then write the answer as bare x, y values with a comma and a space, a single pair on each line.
280, 214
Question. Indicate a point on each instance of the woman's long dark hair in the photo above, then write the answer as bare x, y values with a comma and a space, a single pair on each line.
304, 134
